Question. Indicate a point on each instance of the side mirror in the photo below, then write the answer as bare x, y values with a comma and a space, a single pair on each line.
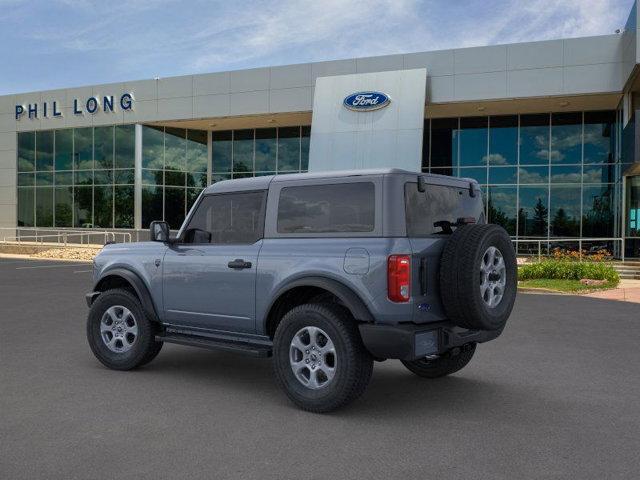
159, 231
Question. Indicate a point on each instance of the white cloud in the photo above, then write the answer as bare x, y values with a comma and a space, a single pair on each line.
494, 159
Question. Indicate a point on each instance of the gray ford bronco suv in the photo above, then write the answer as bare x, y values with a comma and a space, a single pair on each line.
326, 272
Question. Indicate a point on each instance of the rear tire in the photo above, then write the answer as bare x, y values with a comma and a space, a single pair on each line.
119, 331
443, 365
326, 334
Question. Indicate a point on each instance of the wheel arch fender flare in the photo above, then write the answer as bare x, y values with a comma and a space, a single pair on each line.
347, 296
136, 283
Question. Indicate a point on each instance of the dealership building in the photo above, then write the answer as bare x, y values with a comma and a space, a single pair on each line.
547, 128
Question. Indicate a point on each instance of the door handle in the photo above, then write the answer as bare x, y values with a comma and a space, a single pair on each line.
239, 264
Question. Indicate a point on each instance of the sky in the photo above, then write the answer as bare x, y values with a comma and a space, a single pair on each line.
48, 44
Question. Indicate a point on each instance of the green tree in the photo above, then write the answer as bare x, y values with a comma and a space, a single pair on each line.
540, 219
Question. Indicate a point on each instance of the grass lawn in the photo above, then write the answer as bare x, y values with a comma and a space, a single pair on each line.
568, 286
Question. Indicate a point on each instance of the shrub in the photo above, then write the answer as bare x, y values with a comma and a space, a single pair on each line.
568, 270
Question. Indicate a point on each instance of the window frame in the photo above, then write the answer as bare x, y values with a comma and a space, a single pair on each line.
202, 197
273, 202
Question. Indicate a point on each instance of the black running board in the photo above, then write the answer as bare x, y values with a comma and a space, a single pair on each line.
244, 348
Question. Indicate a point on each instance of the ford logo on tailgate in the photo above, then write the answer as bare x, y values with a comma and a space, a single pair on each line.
366, 101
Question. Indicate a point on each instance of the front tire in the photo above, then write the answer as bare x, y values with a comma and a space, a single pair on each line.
119, 331
443, 365
319, 358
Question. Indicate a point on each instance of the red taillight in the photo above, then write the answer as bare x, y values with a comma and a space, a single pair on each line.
398, 278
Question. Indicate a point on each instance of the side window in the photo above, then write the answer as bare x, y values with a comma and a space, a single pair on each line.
232, 218
337, 208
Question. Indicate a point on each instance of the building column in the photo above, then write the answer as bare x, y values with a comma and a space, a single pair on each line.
137, 195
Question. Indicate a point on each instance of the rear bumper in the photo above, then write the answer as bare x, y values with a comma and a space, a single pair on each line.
410, 342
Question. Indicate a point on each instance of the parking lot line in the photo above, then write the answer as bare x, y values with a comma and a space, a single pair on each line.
83, 271
50, 266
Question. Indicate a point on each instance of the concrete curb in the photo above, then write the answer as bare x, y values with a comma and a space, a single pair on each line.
38, 259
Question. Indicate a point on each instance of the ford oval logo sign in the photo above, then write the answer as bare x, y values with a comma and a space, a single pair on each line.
366, 101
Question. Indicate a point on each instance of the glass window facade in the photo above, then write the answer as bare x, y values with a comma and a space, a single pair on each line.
262, 151
175, 163
80, 177
544, 176
85, 177
174, 172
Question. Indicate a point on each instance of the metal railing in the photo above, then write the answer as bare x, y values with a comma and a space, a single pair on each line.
545, 246
83, 238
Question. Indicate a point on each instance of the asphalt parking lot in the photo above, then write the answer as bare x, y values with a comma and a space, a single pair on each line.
557, 396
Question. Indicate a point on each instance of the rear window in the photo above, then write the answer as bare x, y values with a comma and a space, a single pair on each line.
437, 203
337, 208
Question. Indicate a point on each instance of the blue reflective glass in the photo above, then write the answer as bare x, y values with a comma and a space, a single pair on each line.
44, 150
26, 179
26, 152
83, 206
503, 175
473, 141
564, 211
533, 212
571, 174
125, 146
103, 147
26, 202
534, 139
103, 207
599, 173
533, 175
597, 210
44, 179
197, 151
599, 138
64, 150
44, 206
221, 145
266, 146
501, 207
503, 140
175, 149
289, 149
566, 138
153, 147
444, 142
63, 197
479, 174
123, 200
83, 148
305, 140
243, 151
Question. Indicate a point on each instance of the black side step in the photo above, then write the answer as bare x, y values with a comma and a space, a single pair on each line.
245, 348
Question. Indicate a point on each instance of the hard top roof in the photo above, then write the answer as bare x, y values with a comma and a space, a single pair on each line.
262, 183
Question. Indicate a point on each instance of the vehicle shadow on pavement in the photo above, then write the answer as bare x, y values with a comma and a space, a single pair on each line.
393, 391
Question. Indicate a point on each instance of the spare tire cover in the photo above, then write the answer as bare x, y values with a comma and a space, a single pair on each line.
478, 277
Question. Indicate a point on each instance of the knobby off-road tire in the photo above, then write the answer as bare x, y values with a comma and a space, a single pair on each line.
333, 332
119, 332
443, 365
478, 277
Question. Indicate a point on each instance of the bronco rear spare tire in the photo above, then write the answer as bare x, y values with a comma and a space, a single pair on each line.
478, 277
